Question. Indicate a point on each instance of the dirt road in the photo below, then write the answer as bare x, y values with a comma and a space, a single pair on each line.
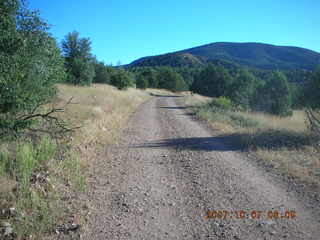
170, 169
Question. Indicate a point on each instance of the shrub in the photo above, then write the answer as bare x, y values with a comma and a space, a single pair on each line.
221, 103
141, 82
171, 80
30, 65
122, 79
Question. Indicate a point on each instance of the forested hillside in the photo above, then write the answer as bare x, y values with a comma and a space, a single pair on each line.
254, 55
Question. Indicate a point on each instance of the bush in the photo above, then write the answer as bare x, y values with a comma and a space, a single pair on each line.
30, 66
122, 79
141, 82
81, 72
221, 103
171, 80
103, 73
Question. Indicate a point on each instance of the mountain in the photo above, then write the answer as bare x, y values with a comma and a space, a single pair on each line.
253, 55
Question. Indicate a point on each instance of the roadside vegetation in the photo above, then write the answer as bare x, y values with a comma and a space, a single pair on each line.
285, 143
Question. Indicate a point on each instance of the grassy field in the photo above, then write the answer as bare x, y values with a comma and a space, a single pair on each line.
101, 111
40, 179
282, 143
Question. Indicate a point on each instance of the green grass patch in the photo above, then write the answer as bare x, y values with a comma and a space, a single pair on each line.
73, 171
32, 166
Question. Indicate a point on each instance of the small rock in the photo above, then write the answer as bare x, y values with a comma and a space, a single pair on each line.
73, 227
12, 211
6, 224
8, 230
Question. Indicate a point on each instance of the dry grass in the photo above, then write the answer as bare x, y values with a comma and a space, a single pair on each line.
193, 100
302, 164
294, 123
101, 110
283, 143
161, 92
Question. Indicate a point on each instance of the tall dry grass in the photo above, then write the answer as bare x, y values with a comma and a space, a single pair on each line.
101, 111
294, 123
193, 100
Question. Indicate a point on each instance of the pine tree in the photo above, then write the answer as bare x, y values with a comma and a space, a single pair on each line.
278, 93
212, 81
79, 60
242, 89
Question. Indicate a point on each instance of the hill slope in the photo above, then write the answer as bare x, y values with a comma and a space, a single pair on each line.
256, 55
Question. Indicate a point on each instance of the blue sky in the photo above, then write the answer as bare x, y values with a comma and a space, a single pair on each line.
124, 30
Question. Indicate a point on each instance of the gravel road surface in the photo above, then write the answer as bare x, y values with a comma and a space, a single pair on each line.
170, 169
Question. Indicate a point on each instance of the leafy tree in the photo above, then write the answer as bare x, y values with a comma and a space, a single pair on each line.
188, 74
79, 60
242, 89
103, 73
277, 94
212, 81
296, 91
150, 75
141, 82
30, 65
312, 90
122, 79
171, 80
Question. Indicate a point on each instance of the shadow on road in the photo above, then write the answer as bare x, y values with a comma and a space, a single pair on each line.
173, 108
197, 143
172, 96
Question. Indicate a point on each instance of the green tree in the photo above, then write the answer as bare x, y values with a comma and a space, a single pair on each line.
242, 89
122, 79
79, 60
141, 82
312, 90
277, 94
103, 73
150, 75
212, 81
171, 80
30, 65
